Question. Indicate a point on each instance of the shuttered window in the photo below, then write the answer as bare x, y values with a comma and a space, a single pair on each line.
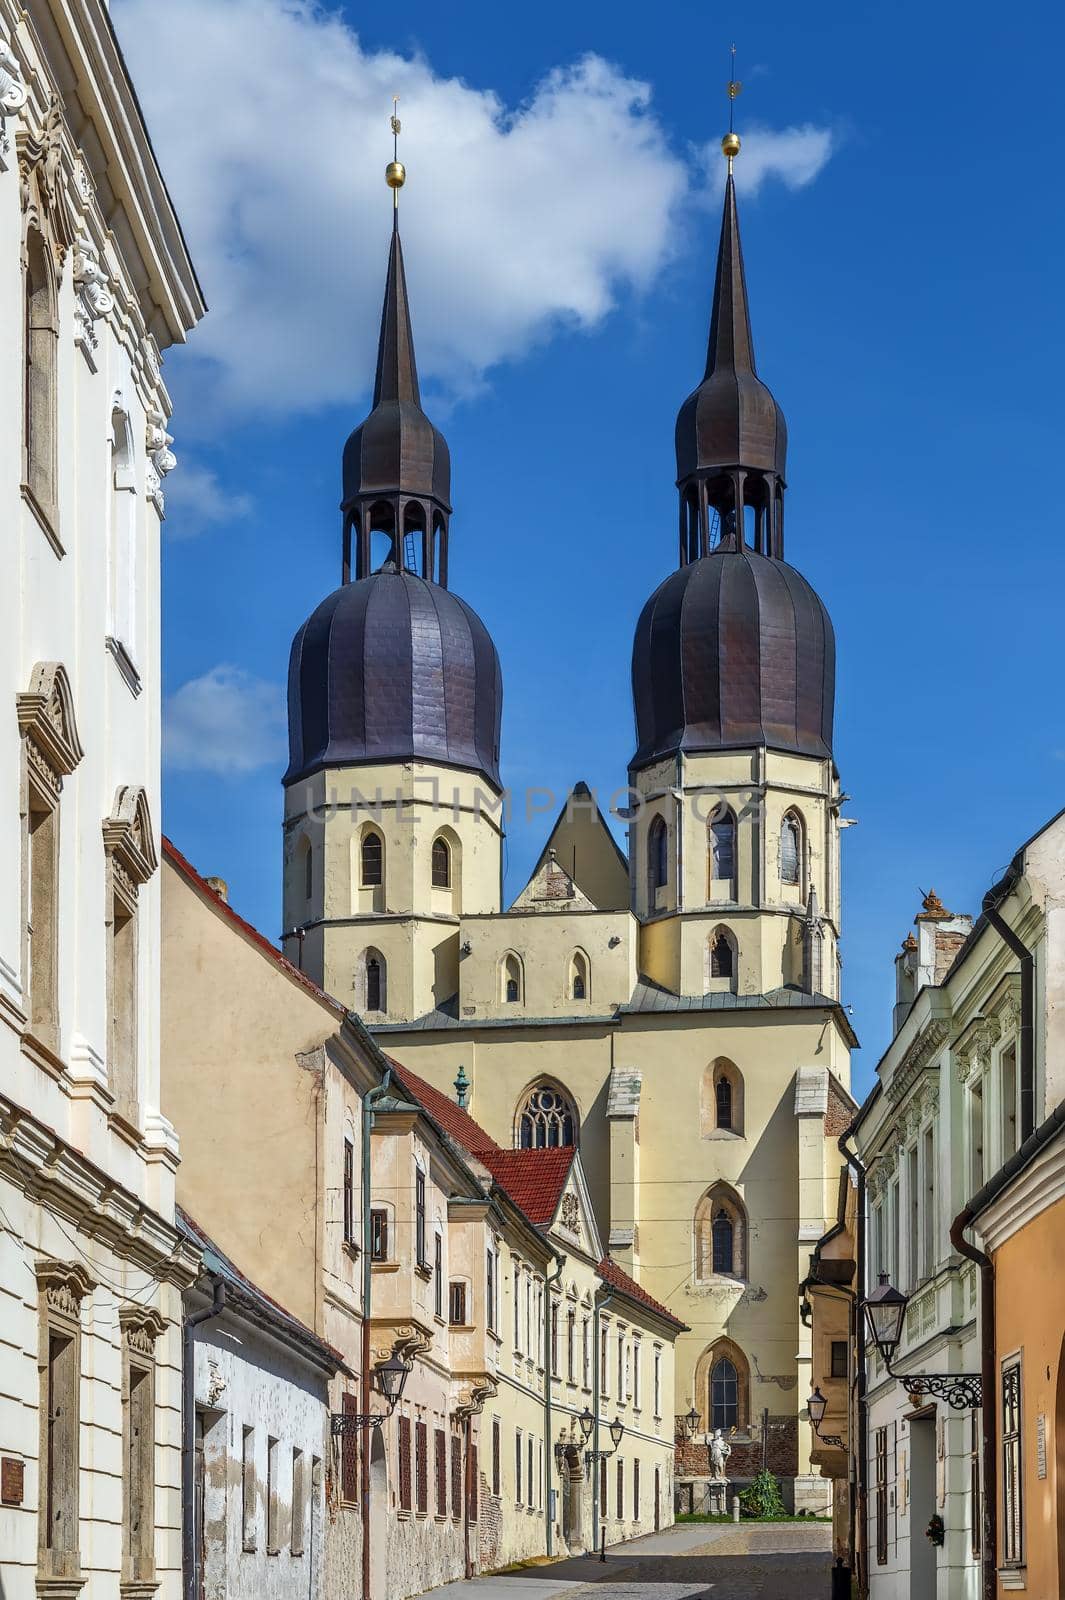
421, 1468
456, 1476
440, 1446
474, 1485
349, 1454
404, 1464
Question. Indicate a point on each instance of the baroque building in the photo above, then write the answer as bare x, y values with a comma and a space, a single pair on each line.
95, 281
672, 1009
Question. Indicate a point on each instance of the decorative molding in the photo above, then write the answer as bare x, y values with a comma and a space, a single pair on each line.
129, 842
46, 718
92, 298
44, 198
63, 1285
920, 1055
161, 459
141, 1326
13, 96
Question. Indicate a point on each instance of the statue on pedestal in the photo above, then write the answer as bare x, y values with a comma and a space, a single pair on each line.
720, 1450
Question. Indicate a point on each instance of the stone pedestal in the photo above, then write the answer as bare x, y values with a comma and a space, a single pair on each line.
717, 1497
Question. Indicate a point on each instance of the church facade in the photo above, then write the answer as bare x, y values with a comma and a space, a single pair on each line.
672, 1009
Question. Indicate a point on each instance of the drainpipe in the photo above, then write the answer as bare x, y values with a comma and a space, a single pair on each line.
467, 1483
369, 1100
859, 1519
988, 1390
549, 1450
594, 1443
992, 900
190, 1549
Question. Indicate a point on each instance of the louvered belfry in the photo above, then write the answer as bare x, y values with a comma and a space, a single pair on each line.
392, 666
734, 649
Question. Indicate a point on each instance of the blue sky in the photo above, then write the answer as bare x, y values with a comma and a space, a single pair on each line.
904, 260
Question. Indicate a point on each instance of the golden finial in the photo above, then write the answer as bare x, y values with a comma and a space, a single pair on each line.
395, 172
730, 144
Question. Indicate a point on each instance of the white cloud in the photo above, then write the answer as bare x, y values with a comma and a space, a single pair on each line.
195, 500
227, 721
271, 123
792, 156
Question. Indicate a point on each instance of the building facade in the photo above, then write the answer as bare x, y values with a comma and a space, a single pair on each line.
674, 1009
95, 283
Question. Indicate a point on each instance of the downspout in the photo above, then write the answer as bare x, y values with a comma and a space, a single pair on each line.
859, 1518
1026, 1031
369, 1100
549, 1451
467, 1497
988, 1378
596, 1342
190, 1551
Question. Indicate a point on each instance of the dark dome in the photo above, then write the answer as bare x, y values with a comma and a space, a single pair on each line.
397, 448
733, 650
729, 420
393, 668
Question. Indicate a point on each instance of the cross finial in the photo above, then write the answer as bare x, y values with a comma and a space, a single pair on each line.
730, 144
395, 172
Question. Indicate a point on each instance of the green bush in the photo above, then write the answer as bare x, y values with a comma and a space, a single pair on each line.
761, 1499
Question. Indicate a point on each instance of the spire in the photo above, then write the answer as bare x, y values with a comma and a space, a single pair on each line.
730, 347
397, 371
397, 469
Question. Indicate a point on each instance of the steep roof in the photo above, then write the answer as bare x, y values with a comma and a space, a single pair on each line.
534, 1179
455, 1121
618, 1279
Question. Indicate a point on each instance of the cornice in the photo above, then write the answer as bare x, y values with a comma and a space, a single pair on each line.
917, 1058
1038, 1187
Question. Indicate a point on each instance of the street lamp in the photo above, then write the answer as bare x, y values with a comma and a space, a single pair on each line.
388, 1380
817, 1405
690, 1422
587, 1427
885, 1311
617, 1428
587, 1423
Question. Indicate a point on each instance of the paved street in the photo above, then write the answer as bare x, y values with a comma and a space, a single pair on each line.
785, 1561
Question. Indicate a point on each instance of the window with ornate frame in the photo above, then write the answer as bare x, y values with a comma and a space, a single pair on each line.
546, 1119
140, 1330
61, 1288
721, 1233
129, 848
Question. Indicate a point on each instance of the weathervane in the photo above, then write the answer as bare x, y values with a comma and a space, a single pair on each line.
730, 144
395, 172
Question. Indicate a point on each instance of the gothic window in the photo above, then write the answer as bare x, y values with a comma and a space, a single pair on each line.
578, 976
371, 982
791, 850
512, 978
373, 857
723, 1099
546, 1119
41, 339
723, 850
721, 960
441, 863
720, 1235
657, 859
724, 1394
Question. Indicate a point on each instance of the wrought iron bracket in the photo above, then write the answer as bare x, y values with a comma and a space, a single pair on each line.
832, 1438
342, 1422
963, 1391
597, 1455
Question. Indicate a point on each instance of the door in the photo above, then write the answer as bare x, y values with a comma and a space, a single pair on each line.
922, 1507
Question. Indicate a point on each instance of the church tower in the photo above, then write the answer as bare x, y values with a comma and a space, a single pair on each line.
393, 827
734, 841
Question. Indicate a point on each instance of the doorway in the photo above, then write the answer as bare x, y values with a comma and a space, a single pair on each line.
380, 1522
922, 1507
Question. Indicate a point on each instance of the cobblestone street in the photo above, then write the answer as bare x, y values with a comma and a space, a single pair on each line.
783, 1561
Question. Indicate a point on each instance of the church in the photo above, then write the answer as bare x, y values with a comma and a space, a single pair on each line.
673, 1009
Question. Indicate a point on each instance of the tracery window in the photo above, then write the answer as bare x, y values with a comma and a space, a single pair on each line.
724, 1394
546, 1119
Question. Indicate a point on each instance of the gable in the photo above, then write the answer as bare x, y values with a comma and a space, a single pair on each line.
573, 1224
586, 851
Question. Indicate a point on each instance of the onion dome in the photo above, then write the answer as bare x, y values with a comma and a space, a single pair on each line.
393, 668
731, 651
734, 649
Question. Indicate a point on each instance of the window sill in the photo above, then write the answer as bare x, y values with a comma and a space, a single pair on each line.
45, 521
384, 1266
42, 1054
1013, 1577
460, 1327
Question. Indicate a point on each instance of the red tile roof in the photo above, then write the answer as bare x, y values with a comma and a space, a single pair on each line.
172, 854
456, 1122
534, 1179
612, 1274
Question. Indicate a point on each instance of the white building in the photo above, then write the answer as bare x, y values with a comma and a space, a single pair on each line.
260, 1383
94, 282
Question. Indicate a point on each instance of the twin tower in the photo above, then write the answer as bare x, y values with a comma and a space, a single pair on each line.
393, 828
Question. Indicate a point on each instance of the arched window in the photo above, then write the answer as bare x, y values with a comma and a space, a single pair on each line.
723, 1102
791, 850
41, 339
546, 1119
373, 856
512, 978
720, 1235
721, 956
724, 1394
723, 1237
371, 982
657, 858
441, 863
723, 850
578, 976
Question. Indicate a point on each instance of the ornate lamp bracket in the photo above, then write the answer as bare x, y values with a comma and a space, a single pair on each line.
963, 1391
